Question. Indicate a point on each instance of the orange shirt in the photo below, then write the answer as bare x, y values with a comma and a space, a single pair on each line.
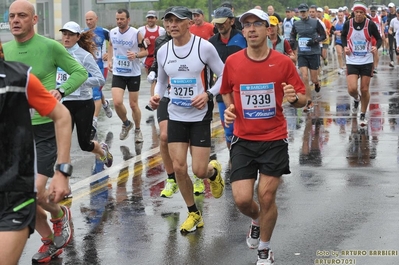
38, 97
204, 31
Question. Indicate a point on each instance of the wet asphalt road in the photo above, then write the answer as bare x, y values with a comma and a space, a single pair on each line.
339, 204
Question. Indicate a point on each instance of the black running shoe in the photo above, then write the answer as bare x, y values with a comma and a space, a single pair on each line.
317, 87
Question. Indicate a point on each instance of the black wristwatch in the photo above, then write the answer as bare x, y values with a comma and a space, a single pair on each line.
62, 91
210, 95
296, 100
65, 169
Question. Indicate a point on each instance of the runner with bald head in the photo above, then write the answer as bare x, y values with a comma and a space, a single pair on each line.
101, 35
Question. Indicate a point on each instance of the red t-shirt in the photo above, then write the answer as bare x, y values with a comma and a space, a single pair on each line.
38, 97
204, 31
258, 94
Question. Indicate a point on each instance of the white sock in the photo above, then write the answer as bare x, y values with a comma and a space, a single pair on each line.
264, 245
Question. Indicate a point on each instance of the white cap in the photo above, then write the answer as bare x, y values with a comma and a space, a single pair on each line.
319, 9
256, 12
379, 9
151, 13
72, 27
391, 5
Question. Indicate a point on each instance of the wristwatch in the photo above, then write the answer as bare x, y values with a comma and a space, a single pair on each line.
296, 100
62, 91
137, 55
210, 95
65, 169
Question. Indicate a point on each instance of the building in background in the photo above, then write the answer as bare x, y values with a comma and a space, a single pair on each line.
55, 13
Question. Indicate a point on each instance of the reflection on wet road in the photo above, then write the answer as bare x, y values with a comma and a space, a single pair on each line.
342, 194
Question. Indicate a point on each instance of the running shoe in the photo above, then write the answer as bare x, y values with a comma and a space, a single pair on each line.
325, 62
62, 229
355, 107
217, 186
46, 252
125, 131
391, 64
150, 120
341, 71
308, 107
193, 221
253, 236
107, 109
265, 257
363, 120
138, 136
375, 71
198, 186
317, 87
170, 189
107, 158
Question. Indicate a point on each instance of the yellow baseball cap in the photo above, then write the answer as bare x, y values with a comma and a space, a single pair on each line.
273, 20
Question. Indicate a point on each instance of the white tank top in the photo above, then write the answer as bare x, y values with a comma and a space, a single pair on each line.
359, 42
185, 69
121, 44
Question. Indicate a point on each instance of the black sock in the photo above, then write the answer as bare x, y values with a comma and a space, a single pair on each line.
192, 209
126, 123
172, 176
215, 173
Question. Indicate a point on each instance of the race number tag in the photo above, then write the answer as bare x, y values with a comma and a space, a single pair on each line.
359, 48
258, 101
62, 77
182, 91
302, 45
123, 64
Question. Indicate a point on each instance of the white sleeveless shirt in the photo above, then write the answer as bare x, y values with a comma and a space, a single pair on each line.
121, 44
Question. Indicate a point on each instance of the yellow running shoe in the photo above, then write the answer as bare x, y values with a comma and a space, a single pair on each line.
170, 189
217, 186
193, 221
198, 186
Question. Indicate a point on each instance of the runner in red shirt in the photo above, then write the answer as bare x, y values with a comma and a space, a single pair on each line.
201, 28
254, 82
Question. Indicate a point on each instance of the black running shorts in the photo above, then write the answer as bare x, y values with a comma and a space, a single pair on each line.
360, 70
17, 211
250, 157
131, 82
195, 133
46, 148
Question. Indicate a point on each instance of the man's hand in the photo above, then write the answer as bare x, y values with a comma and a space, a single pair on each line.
151, 77
58, 188
131, 55
200, 101
289, 92
110, 65
154, 101
311, 42
347, 51
56, 94
105, 57
229, 115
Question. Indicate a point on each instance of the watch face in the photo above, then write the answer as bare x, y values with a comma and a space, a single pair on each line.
65, 169
61, 90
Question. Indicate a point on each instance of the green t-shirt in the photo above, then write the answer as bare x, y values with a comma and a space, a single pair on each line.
44, 55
